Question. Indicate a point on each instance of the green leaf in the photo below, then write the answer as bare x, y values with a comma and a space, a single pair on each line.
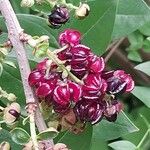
3, 37
131, 15
144, 67
44, 7
143, 94
98, 26
136, 40
135, 56
80, 141
1, 69
122, 145
35, 26
11, 82
6, 136
139, 122
111, 130
10, 63
146, 46
145, 29
18, 8
20, 136
50, 133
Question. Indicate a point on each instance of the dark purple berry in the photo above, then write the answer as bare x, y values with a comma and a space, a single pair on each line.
59, 15
118, 81
89, 111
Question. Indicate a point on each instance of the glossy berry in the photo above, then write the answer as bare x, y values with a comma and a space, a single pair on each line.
67, 93
75, 91
35, 77
42, 65
79, 62
62, 94
94, 87
96, 64
45, 89
118, 81
89, 111
59, 15
70, 36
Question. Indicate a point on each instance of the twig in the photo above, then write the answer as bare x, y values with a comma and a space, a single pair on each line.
111, 45
33, 131
120, 58
113, 49
14, 31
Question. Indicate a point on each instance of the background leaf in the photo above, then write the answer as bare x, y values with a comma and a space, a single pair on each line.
20, 136
6, 136
122, 145
97, 28
80, 141
49, 133
18, 9
143, 94
145, 29
108, 131
144, 67
131, 15
35, 26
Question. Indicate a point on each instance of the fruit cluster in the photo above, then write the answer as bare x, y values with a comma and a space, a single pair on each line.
91, 101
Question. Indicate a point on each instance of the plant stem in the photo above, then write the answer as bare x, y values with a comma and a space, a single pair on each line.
33, 131
113, 49
14, 31
59, 63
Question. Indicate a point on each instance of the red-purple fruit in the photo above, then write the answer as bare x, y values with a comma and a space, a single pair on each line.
35, 77
67, 93
118, 81
96, 64
89, 111
94, 87
70, 36
44, 89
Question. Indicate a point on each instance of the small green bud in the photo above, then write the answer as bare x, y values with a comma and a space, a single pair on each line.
4, 51
4, 146
11, 97
27, 3
82, 11
41, 49
39, 1
11, 113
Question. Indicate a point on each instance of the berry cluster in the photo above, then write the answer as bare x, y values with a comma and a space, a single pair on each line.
91, 101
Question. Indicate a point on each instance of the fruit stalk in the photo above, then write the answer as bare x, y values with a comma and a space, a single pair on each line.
14, 31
